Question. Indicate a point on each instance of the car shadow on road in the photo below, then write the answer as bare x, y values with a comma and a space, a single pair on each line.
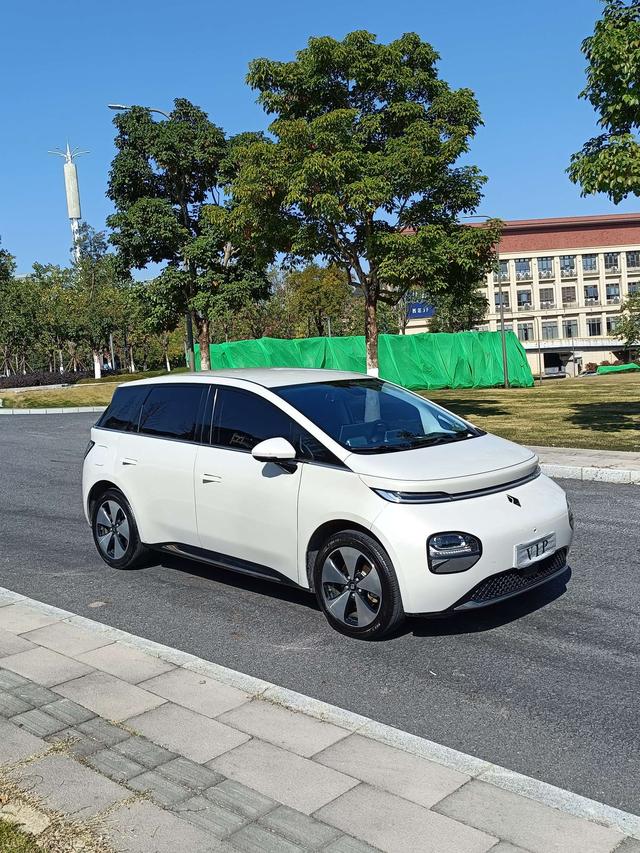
493, 616
439, 625
219, 575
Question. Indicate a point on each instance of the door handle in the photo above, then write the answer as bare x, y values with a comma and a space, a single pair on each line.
127, 461
211, 478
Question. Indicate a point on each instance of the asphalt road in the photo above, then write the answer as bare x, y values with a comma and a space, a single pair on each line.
547, 685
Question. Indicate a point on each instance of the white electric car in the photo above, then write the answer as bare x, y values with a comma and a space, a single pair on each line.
380, 502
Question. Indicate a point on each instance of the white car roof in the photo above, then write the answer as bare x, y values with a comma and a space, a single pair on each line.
268, 377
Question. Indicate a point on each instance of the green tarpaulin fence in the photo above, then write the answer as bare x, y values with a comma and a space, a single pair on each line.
617, 368
439, 360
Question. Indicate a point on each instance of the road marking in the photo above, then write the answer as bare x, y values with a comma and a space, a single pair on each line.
485, 771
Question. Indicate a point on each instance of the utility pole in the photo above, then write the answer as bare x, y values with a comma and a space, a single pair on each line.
73, 194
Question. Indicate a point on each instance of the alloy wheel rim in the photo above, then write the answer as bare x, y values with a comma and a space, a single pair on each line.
112, 530
351, 587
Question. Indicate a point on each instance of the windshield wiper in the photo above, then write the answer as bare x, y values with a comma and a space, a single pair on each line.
381, 448
432, 438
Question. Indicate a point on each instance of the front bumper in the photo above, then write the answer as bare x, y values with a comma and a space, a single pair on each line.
499, 523
505, 585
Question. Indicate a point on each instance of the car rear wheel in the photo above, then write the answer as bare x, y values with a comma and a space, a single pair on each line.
115, 531
357, 587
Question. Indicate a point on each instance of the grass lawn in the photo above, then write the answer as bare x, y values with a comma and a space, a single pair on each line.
14, 841
594, 412
600, 412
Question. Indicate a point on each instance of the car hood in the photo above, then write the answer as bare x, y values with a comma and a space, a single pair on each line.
460, 466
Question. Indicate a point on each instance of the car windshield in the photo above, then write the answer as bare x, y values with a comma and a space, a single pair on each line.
372, 416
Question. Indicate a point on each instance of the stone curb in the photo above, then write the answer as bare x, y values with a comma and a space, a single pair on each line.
501, 777
67, 410
627, 476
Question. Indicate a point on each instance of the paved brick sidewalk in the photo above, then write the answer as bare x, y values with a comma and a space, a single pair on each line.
161, 755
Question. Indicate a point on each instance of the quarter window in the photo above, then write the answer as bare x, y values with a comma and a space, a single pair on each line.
242, 419
171, 411
124, 410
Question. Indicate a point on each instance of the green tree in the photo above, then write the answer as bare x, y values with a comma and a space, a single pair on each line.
362, 169
317, 297
97, 294
610, 162
166, 182
628, 330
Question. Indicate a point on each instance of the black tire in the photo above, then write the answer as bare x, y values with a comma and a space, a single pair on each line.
118, 542
372, 599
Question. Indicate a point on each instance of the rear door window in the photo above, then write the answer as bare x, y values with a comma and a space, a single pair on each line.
171, 411
123, 412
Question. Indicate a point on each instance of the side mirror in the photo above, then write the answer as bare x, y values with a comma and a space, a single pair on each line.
277, 450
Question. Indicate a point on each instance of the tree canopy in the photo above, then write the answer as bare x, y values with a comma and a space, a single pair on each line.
166, 182
362, 167
610, 162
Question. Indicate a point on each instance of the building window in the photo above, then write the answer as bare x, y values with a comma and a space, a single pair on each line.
525, 331
633, 260
523, 268
568, 296
594, 326
613, 322
547, 298
524, 299
570, 328
502, 297
484, 328
567, 265
633, 288
590, 263
613, 293
611, 261
590, 293
549, 330
503, 271
545, 267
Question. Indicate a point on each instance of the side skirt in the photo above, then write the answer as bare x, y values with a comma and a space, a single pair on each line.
224, 561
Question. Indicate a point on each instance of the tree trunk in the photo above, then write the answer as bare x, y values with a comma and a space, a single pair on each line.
204, 339
61, 360
132, 364
371, 332
165, 344
97, 364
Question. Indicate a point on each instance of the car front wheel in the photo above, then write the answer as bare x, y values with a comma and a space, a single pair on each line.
115, 532
357, 587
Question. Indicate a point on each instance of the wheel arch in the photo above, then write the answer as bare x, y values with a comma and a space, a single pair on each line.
98, 489
322, 533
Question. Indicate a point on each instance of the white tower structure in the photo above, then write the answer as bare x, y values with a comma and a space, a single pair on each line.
73, 194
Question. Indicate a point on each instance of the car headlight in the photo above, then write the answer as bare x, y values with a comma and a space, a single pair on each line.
453, 552
572, 521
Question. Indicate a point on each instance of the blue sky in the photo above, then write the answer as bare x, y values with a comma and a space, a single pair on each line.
62, 62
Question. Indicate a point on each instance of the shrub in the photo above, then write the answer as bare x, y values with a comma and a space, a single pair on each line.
605, 363
42, 377
590, 366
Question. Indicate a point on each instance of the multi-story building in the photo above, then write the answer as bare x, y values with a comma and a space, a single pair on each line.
561, 283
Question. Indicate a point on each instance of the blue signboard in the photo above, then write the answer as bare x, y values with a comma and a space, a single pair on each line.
420, 311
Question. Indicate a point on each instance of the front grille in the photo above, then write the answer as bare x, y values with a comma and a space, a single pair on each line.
515, 580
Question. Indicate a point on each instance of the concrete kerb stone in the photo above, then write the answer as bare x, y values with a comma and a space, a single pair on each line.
601, 475
65, 410
501, 777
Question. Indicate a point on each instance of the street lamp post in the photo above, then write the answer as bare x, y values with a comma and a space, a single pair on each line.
187, 316
505, 367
